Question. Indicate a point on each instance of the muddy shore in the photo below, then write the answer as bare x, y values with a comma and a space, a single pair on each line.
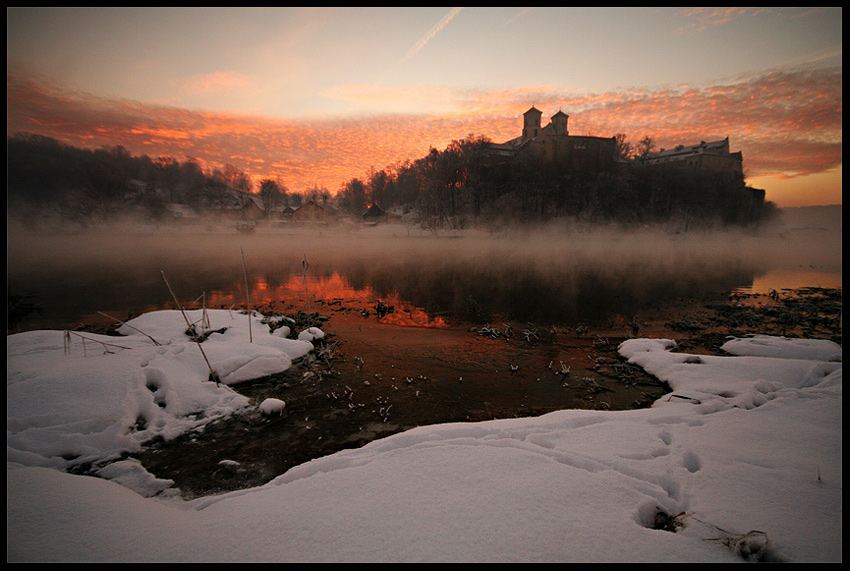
369, 378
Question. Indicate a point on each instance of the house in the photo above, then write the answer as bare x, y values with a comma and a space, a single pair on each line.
252, 209
310, 212
240, 206
182, 213
375, 214
553, 144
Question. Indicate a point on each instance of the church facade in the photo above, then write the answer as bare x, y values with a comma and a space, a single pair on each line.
553, 144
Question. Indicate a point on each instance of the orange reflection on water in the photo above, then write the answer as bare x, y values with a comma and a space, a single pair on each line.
794, 279
412, 317
309, 293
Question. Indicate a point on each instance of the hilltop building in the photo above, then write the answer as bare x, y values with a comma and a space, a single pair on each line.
714, 168
714, 164
713, 158
553, 144
709, 160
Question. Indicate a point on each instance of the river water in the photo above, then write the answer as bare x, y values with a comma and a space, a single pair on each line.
420, 363
543, 277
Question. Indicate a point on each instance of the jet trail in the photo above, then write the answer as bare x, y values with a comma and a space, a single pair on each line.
423, 41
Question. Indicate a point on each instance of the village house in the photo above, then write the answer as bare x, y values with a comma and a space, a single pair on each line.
182, 213
553, 144
310, 212
374, 214
251, 209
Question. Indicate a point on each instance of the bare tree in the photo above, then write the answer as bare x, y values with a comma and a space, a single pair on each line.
353, 196
624, 148
235, 178
644, 147
270, 194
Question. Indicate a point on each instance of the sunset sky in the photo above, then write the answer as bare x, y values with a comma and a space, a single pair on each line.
317, 96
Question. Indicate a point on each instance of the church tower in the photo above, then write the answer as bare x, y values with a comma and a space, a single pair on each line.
559, 123
531, 124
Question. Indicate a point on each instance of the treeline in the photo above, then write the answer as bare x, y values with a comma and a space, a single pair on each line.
45, 175
464, 185
467, 184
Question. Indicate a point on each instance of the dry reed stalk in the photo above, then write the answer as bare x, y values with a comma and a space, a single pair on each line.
189, 327
206, 317
247, 298
305, 265
155, 342
204, 320
67, 343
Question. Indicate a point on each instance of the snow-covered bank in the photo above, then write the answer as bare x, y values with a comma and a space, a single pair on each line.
86, 398
743, 455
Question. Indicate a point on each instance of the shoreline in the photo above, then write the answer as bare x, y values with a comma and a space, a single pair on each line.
368, 380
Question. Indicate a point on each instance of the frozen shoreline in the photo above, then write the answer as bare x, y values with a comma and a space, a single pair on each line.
756, 447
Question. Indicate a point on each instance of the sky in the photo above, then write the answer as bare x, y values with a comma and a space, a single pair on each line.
318, 96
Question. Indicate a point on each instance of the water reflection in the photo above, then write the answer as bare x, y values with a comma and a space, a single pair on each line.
427, 282
793, 279
320, 293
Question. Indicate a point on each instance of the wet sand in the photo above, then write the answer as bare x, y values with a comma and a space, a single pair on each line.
368, 379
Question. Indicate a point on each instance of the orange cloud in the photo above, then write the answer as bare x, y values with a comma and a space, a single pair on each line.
786, 123
216, 83
704, 18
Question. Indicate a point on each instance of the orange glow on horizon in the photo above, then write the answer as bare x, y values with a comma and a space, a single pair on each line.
787, 124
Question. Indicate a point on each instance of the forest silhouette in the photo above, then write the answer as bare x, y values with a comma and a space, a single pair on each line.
462, 186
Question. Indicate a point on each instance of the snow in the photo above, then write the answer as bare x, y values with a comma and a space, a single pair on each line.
311, 334
744, 455
89, 397
272, 406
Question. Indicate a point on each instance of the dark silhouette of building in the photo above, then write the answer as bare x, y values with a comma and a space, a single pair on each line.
554, 145
374, 214
707, 159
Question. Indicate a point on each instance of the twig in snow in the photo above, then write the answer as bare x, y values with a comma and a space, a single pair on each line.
67, 343
213, 374
155, 342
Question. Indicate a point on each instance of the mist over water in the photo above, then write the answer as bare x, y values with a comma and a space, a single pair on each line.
544, 275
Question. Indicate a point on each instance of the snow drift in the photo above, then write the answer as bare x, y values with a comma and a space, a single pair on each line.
741, 460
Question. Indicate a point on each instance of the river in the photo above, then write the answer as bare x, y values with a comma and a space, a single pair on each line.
545, 277
424, 357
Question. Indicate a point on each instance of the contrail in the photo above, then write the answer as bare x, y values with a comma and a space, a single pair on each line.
516, 17
423, 41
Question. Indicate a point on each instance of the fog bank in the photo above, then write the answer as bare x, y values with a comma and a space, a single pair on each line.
547, 272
